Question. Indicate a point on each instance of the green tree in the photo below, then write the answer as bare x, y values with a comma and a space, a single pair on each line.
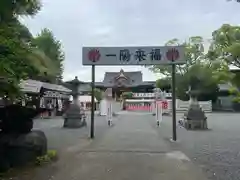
35, 57
204, 66
225, 44
18, 58
236, 76
13, 49
194, 52
12, 9
207, 80
127, 95
209, 74
98, 94
52, 48
164, 84
225, 47
47, 70
14, 64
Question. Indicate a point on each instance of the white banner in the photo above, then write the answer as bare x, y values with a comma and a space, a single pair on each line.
108, 92
103, 107
148, 55
150, 95
159, 112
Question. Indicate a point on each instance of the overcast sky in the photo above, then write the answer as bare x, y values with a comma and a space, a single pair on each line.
78, 23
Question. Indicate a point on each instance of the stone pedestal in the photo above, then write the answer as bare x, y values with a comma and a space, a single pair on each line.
19, 149
74, 117
19, 145
195, 117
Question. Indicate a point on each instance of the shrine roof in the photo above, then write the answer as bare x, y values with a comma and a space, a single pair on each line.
134, 77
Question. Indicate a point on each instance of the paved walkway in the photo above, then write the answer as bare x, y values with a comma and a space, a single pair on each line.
131, 149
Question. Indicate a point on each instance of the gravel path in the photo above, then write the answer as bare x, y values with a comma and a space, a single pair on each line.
131, 149
61, 138
217, 151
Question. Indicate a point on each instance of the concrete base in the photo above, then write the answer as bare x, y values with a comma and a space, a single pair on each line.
194, 112
74, 123
195, 124
74, 117
195, 117
164, 114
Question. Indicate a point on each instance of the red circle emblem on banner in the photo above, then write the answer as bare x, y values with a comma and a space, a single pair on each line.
94, 55
172, 54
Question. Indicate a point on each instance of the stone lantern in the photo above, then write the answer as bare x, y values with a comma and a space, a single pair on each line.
195, 117
74, 116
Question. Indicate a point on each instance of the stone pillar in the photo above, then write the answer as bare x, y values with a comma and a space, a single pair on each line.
193, 98
75, 99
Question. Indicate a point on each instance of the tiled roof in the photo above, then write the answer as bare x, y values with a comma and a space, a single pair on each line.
35, 86
55, 87
131, 79
31, 86
134, 78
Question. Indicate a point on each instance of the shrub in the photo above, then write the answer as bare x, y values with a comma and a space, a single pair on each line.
50, 156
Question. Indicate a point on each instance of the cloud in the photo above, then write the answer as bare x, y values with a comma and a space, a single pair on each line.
118, 23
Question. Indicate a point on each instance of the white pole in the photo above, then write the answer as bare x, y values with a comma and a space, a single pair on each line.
157, 113
153, 107
109, 112
107, 106
161, 112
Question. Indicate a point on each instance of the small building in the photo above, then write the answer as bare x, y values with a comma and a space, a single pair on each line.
225, 100
41, 94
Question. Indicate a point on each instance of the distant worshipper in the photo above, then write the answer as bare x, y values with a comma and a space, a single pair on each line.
180, 123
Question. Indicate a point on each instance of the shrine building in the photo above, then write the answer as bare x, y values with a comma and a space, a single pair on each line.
125, 82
